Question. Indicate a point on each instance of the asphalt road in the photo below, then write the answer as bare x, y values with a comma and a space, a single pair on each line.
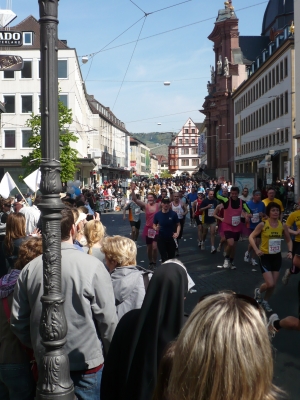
202, 267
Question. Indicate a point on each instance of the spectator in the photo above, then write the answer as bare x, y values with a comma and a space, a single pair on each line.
32, 215
6, 209
94, 233
223, 352
89, 308
15, 236
129, 281
142, 335
15, 363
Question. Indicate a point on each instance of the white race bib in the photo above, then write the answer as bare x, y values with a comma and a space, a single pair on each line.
137, 211
151, 233
274, 246
211, 212
255, 218
236, 220
200, 218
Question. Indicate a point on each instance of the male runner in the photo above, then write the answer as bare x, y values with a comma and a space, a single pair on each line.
271, 197
134, 218
208, 207
198, 215
191, 197
181, 211
233, 208
151, 208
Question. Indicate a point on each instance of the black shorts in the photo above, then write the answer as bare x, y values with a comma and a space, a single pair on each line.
296, 248
198, 222
232, 235
136, 224
270, 262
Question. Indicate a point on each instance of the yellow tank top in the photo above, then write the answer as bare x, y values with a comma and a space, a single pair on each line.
271, 238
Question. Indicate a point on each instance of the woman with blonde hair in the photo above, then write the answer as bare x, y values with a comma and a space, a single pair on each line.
223, 352
129, 280
94, 232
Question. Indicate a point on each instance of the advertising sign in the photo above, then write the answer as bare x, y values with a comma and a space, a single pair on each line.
201, 149
245, 181
9, 38
11, 63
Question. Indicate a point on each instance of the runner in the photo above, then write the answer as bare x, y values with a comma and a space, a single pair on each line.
271, 231
208, 206
134, 217
293, 221
197, 215
219, 215
271, 197
191, 197
151, 208
258, 211
181, 211
233, 207
166, 223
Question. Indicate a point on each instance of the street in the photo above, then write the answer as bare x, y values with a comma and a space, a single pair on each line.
202, 267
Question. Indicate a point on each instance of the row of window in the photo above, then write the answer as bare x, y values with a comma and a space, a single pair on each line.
272, 78
26, 103
273, 139
28, 71
191, 131
185, 162
10, 139
187, 141
184, 150
269, 112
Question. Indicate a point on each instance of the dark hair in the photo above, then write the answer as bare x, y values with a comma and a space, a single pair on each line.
66, 223
272, 204
15, 229
271, 188
235, 189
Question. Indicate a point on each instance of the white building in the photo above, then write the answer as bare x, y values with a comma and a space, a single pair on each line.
297, 89
264, 111
20, 91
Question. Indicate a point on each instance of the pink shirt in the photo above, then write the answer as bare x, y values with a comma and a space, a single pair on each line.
150, 215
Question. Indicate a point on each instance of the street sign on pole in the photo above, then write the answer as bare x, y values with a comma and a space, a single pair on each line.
11, 63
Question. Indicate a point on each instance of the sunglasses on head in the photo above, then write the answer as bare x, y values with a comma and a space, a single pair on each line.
247, 299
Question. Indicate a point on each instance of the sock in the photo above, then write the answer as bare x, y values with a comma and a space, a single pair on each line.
227, 257
277, 324
231, 259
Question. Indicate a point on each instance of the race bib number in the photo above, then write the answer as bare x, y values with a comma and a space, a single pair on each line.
211, 212
137, 211
236, 220
255, 218
274, 246
200, 218
151, 233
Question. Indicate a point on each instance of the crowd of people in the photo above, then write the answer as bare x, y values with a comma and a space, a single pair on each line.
128, 335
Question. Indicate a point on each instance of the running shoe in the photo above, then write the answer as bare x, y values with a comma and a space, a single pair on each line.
213, 250
199, 243
247, 257
219, 248
226, 263
266, 306
232, 265
253, 262
257, 295
271, 328
202, 246
286, 277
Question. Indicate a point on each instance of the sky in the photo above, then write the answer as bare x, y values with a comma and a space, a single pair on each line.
129, 78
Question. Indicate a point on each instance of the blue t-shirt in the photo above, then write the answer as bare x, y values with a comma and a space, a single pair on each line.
255, 209
167, 223
192, 197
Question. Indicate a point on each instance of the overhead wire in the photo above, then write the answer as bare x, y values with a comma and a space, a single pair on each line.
145, 17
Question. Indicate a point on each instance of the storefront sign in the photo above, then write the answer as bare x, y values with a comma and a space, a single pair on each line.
11, 63
8, 38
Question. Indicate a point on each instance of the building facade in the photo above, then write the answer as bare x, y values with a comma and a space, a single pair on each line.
264, 112
139, 158
183, 150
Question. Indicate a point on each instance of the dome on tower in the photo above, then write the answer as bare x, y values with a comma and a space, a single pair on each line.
278, 14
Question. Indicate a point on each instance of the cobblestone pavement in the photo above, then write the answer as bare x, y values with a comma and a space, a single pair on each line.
202, 267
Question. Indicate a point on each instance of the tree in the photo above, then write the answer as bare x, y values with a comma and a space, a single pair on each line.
68, 155
165, 174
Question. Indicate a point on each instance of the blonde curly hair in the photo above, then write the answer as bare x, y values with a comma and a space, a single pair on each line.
119, 249
94, 232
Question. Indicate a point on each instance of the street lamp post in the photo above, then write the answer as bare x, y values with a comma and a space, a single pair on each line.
54, 372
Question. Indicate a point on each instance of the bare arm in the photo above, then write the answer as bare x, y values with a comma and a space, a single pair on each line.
217, 209
138, 202
185, 208
253, 235
288, 240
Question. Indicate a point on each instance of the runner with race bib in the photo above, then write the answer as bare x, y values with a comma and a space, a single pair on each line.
269, 253
181, 211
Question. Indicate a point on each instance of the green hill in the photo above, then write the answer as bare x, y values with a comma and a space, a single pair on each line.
153, 139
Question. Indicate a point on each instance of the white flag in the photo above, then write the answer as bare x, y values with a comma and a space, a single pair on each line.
33, 180
7, 185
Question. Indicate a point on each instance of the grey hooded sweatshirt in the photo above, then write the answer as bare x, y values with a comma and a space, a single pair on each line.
129, 284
